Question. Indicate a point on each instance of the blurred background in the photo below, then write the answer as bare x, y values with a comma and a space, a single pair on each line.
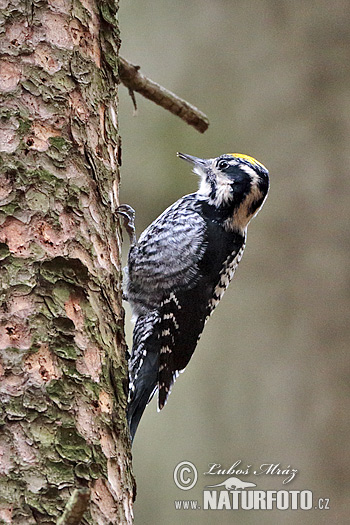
269, 381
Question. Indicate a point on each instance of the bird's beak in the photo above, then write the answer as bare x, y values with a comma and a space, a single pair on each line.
200, 166
193, 160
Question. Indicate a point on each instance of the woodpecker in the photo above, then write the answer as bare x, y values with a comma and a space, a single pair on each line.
180, 268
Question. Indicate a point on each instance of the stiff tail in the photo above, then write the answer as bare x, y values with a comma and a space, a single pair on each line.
143, 368
146, 385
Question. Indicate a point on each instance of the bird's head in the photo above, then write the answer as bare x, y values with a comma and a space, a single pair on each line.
233, 182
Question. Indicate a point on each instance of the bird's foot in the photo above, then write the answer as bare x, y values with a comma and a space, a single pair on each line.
128, 214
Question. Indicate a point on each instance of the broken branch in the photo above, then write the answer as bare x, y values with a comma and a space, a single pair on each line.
75, 508
131, 77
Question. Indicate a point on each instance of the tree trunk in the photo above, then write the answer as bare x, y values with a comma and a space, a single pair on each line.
62, 362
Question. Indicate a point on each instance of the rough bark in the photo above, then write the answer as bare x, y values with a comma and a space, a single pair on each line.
62, 360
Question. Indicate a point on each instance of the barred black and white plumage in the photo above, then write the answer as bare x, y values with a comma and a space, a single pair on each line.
181, 266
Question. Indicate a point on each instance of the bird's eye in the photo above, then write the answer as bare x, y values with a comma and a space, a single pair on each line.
223, 165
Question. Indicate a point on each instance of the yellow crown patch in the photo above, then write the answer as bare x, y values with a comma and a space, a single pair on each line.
249, 159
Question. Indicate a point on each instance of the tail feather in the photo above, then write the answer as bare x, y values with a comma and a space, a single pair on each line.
144, 391
143, 369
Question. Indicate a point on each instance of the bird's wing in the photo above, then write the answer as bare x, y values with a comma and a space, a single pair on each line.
182, 320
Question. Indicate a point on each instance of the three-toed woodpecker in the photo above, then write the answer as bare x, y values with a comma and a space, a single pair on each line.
180, 268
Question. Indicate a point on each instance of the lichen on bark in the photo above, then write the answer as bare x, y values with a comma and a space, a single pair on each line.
62, 350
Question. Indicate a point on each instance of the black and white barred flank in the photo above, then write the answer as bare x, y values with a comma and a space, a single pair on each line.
180, 268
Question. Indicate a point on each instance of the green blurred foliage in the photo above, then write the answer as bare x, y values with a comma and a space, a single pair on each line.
269, 379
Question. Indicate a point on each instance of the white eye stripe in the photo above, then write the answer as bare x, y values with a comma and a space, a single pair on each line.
252, 173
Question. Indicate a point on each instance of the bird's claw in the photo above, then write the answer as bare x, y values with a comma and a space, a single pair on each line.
128, 214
